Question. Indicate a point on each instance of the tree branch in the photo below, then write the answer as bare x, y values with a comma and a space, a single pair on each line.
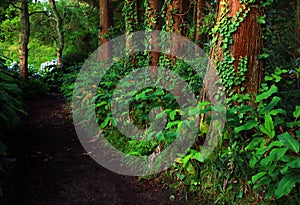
39, 12
11, 3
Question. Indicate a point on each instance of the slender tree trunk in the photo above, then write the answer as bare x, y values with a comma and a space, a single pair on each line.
131, 25
298, 19
104, 29
138, 11
59, 27
199, 22
24, 38
129, 12
174, 21
154, 21
247, 42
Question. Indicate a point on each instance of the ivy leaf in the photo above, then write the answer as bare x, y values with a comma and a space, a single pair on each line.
286, 184
262, 19
289, 141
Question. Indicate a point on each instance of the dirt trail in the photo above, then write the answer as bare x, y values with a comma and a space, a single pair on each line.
53, 169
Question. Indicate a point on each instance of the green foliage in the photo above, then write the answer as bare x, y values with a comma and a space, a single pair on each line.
10, 100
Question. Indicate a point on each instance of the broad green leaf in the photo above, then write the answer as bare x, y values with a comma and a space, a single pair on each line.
298, 133
274, 156
264, 130
262, 181
284, 170
295, 163
289, 141
190, 168
270, 106
277, 111
266, 94
258, 176
286, 184
186, 160
172, 114
247, 126
198, 156
296, 113
170, 124
268, 127
254, 143
264, 149
253, 161
105, 122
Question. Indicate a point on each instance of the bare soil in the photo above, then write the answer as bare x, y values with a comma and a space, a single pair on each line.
49, 166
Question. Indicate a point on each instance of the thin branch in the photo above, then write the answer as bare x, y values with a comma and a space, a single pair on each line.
11, 3
39, 12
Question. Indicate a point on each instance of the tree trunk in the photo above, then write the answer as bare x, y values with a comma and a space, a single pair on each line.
130, 15
24, 38
155, 24
61, 38
247, 43
298, 20
174, 21
199, 22
104, 30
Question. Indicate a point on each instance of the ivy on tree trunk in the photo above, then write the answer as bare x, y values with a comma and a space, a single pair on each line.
238, 42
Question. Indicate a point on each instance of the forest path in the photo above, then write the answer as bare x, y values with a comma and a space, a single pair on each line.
54, 169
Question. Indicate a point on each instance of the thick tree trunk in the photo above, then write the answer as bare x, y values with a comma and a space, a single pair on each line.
61, 38
24, 38
104, 29
247, 42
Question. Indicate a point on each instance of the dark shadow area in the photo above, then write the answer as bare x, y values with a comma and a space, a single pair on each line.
48, 166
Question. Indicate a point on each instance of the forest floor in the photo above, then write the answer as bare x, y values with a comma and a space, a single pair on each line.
52, 168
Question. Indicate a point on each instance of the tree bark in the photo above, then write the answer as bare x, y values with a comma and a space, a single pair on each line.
199, 22
247, 42
104, 30
298, 20
155, 24
59, 27
174, 21
24, 38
